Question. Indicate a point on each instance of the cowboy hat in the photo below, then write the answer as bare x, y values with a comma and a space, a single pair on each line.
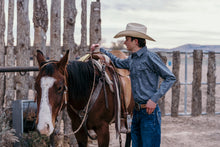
135, 30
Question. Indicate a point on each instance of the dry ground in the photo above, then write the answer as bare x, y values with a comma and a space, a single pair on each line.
184, 131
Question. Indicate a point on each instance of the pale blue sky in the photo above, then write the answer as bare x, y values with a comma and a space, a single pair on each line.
170, 22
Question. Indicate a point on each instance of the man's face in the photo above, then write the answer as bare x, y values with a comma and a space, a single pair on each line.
131, 45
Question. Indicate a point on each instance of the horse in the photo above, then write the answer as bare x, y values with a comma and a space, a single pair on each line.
70, 84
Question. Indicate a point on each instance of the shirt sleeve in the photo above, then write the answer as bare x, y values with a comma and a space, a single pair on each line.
119, 63
163, 71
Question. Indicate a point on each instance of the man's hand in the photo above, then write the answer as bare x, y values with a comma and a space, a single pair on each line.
150, 106
93, 47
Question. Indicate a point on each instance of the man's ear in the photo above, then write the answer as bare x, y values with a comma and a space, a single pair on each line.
40, 58
63, 62
136, 41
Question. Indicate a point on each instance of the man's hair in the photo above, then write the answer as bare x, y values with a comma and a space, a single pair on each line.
141, 41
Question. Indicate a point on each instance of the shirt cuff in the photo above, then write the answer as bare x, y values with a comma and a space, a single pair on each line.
102, 50
156, 97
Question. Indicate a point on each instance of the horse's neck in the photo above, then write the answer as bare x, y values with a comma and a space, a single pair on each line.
80, 79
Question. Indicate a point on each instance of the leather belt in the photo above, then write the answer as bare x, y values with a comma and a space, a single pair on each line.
138, 107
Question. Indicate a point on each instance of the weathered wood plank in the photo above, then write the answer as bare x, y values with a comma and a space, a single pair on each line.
2, 51
161, 101
10, 58
83, 48
23, 50
70, 13
95, 23
211, 81
55, 30
40, 20
196, 84
55, 54
176, 85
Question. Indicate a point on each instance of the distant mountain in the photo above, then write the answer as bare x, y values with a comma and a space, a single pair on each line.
190, 48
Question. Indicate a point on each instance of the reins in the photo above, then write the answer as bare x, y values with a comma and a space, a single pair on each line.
87, 106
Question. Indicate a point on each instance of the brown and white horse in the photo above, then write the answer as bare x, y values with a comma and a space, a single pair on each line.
53, 80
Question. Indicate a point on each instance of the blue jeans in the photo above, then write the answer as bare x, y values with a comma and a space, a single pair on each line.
146, 129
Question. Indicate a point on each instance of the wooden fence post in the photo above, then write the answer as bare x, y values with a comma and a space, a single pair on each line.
161, 101
55, 30
23, 50
196, 84
176, 85
211, 80
83, 44
2, 52
70, 13
10, 58
55, 54
95, 23
40, 20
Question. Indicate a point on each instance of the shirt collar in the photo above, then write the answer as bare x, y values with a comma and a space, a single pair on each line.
139, 52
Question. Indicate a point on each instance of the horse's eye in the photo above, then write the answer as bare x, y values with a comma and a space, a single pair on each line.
60, 89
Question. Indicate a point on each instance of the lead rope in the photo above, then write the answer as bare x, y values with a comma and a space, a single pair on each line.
87, 106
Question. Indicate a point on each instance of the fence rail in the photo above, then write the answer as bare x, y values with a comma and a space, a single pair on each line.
19, 69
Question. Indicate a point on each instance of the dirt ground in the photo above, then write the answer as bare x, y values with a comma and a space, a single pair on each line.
184, 131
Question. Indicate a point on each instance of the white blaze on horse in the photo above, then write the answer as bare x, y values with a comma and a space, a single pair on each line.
45, 124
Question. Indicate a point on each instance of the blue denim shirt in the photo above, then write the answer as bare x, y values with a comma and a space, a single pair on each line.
145, 69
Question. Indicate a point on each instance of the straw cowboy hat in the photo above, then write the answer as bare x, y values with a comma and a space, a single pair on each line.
135, 30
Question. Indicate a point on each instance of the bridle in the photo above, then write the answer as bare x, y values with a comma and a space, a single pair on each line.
65, 93
65, 96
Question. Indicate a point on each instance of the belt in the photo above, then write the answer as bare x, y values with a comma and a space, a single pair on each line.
138, 107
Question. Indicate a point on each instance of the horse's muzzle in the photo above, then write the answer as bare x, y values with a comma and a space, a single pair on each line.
46, 129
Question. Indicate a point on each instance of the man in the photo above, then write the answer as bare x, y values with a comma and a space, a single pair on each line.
145, 69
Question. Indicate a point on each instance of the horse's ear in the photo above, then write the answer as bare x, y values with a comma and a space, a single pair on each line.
63, 62
40, 57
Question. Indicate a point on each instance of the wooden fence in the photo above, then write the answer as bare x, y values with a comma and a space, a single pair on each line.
21, 54
196, 97
18, 86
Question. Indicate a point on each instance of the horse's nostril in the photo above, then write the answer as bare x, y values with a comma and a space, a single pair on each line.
47, 126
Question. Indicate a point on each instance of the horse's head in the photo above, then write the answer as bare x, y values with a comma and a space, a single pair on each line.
50, 86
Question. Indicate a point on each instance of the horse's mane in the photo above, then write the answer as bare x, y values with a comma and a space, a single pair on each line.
80, 79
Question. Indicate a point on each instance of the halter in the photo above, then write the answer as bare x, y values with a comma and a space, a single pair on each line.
65, 93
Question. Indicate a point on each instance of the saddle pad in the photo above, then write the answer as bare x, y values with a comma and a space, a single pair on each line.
84, 58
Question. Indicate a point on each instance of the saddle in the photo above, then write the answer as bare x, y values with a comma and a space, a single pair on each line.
124, 84
119, 82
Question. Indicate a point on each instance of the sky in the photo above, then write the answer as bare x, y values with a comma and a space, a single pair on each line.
171, 23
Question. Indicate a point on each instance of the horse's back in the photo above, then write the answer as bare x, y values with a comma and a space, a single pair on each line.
125, 82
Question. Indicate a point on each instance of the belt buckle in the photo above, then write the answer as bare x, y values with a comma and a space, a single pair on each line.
137, 107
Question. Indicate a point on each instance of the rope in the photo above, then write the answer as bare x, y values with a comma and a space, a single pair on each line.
87, 106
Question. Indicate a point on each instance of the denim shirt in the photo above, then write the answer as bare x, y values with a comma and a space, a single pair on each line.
145, 69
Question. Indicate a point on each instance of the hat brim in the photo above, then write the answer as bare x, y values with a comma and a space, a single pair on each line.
133, 34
